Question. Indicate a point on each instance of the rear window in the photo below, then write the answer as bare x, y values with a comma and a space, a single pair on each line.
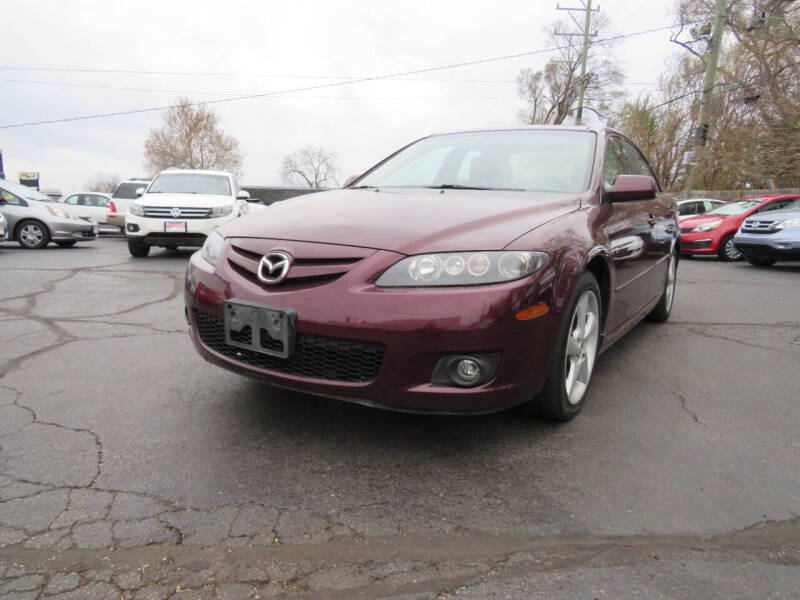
127, 191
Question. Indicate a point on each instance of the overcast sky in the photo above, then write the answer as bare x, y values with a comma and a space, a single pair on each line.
240, 47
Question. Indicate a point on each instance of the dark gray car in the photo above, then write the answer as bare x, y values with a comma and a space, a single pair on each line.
34, 220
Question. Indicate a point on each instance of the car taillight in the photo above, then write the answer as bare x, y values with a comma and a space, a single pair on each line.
111, 207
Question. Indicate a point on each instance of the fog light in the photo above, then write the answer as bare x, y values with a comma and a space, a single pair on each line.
468, 370
133, 227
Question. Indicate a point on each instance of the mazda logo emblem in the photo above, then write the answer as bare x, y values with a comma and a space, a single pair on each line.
274, 267
175, 212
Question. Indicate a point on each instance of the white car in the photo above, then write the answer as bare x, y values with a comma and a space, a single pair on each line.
88, 205
123, 195
181, 207
696, 206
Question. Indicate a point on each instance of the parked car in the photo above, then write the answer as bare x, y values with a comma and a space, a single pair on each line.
712, 233
696, 206
181, 207
123, 195
764, 239
88, 206
466, 273
3, 228
34, 220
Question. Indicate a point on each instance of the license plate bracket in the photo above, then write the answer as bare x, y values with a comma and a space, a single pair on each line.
259, 328
175, 227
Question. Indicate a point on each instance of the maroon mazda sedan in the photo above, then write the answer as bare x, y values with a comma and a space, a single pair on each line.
466, 273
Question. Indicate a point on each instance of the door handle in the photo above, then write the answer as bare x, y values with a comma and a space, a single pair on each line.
651, 220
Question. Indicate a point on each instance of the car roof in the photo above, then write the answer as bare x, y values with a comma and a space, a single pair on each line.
685, 200
195, 171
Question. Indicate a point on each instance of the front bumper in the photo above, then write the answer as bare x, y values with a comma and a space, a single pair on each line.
72, 230
783, 244
699, 243
3, 231
411, 328
154, 230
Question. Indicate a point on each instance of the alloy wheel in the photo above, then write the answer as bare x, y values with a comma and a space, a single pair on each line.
31, 235
581, 351
731, 252
672, 273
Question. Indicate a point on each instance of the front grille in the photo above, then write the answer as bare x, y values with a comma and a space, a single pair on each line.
314, 356
757, 226
305, 271
175, 239
165, 212
698, 245
686, 229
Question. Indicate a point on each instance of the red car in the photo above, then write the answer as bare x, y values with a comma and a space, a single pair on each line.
466, 273
712, 233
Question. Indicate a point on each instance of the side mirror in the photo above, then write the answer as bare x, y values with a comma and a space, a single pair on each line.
139, 192
350, 180
243, 195
627, 188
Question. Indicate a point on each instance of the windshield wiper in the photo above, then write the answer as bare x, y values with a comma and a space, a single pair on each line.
455, 186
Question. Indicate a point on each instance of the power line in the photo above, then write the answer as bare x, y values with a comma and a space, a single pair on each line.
326, 85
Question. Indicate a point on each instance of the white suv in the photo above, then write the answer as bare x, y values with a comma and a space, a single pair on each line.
181, 207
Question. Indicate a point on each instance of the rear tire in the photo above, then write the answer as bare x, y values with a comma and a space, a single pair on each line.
574, 355
761, 262
67, 244
138, 248
33, 235
662, 310
727, 251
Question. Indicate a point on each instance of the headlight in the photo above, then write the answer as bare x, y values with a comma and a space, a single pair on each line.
787, 224
135, 209
706, 227
57, 212
221, 211
212, 248
462, 268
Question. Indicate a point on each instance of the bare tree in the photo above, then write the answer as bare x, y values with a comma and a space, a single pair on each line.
102, 182
552, 93
190, 138
311, 166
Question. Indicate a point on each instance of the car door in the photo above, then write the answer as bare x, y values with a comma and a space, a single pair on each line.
99, 207
75, 206
629, 227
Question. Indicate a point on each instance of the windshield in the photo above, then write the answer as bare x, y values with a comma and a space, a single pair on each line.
24, 191
735, 208
127, 190
542, 160
190, 183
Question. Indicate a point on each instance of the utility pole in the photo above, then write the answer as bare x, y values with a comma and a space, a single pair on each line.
587, 26
709, 82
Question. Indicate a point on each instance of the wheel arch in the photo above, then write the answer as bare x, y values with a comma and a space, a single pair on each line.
597, 265
24, 220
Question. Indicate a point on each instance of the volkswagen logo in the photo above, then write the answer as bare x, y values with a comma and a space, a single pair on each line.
274, 267
175, 212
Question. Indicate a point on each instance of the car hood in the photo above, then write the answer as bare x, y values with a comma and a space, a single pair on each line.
706, 218
408, 221
184, 200
779, 215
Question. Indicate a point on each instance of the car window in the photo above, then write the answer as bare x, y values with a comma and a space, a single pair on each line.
687, 208
615, 161
12, 199
127, 190
636, 162
735, 208
542, 160
777, 205
73, 200
190, 183
23, 191
708, 205
100, 201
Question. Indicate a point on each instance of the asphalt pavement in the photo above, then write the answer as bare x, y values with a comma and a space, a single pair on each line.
130, 467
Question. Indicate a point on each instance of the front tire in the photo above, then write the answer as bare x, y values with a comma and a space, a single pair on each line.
662, 310
761, 262
727, 251
564, 391
33, 235
138, 248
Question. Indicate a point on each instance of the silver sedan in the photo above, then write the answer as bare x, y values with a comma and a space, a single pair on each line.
34, 221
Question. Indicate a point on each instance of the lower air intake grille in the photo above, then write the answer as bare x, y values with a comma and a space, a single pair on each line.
314, 356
